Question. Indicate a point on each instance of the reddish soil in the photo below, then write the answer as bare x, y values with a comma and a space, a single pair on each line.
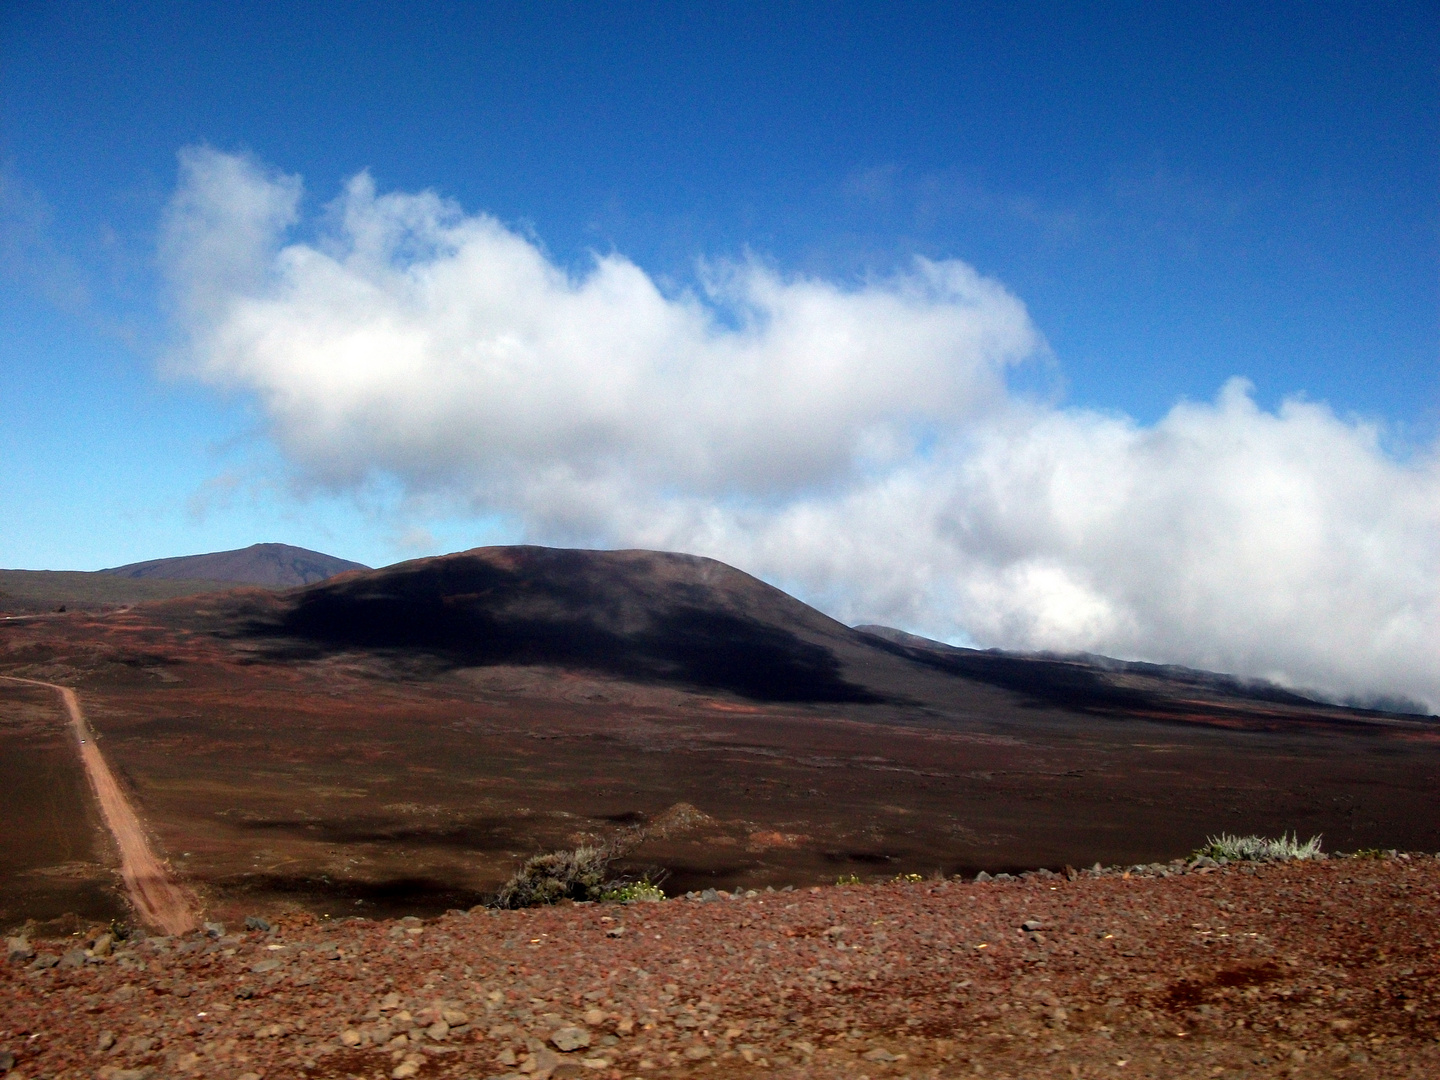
157, 902
1324, 969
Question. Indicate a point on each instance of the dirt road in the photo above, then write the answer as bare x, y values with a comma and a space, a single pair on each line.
157, 900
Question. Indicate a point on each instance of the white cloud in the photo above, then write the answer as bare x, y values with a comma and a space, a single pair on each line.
854, 443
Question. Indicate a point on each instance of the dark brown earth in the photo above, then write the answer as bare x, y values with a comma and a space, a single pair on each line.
1324, 969
397, 742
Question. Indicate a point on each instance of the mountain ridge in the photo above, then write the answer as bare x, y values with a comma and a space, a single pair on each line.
270, 565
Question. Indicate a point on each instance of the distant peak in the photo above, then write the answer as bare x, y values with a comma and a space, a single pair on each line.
272, 565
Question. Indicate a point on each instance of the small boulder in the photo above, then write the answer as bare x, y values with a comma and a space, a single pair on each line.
1031, 925
982, 876
570, 1038
73, 958
255, 922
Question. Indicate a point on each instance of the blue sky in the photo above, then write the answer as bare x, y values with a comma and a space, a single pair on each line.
1176, 194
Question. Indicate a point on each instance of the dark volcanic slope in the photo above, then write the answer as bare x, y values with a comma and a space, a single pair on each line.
641, 615
1101, 684
684, 620
274, 565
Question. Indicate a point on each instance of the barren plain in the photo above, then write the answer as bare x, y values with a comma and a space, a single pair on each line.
394, 743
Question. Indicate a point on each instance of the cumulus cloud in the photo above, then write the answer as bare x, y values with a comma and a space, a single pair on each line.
852, 442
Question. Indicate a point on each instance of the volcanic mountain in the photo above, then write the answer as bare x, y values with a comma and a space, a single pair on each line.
660, 617
276, 566
398, 739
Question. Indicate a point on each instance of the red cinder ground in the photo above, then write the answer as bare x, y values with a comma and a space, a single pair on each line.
1301, 970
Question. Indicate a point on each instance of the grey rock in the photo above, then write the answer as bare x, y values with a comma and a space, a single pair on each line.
571, 1038
710, 894
265, 965
881, 1055
7, 1061
1004, 877
106, 1041
73, 958
1031, 925
103, 944
255, 922
214, 930
983, 876
45, 960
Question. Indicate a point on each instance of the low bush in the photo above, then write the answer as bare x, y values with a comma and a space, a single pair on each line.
633, 892
1259, 848
560, 875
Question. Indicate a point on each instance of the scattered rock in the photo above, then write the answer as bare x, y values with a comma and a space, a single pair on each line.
880, 1054
7, 1061
105, 1042
982, 876
103, 945
18, 950
1031, 925
73, 958
214, 930
255, 922
571, 1038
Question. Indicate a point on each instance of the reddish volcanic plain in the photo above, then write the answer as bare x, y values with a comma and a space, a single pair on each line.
394, 743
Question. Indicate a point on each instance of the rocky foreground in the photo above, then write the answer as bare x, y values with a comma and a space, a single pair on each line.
1306, 969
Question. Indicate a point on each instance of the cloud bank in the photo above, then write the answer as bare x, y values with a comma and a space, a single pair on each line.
854, 443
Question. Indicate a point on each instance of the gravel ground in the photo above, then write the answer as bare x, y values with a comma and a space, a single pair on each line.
1314, 969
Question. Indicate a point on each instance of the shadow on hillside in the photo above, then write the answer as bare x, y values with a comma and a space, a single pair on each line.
473, 614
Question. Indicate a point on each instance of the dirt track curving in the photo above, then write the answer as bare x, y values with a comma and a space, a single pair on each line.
158, 902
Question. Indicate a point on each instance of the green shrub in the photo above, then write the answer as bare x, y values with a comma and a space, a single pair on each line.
633, 892
847, 879
1259, 848
1370, 853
